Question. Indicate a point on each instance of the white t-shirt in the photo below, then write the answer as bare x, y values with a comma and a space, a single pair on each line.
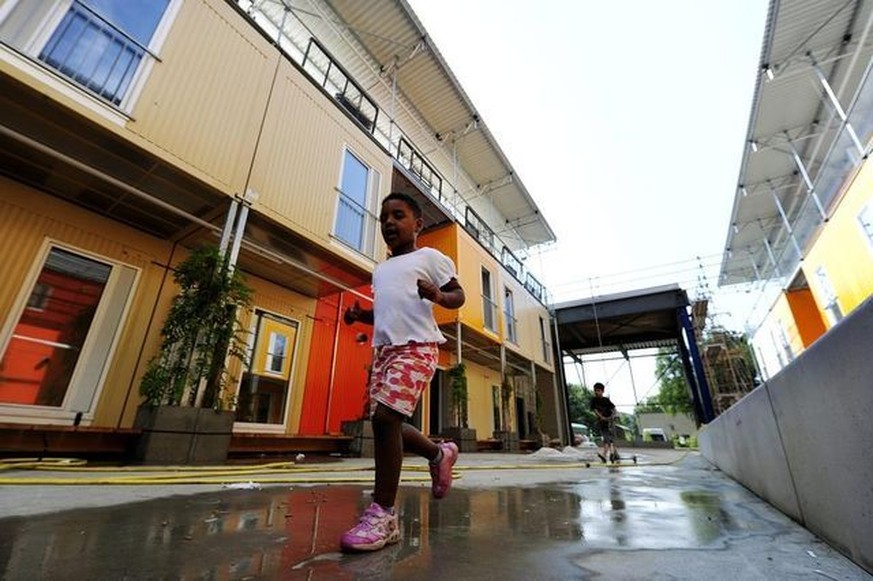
399, 314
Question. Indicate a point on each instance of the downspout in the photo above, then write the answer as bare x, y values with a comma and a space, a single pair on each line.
339, 310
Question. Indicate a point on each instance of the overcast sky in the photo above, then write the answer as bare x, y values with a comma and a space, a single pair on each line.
625, 121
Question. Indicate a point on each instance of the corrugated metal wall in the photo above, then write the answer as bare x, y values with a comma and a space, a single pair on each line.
842, 249
327, 404
299, 161
202, 105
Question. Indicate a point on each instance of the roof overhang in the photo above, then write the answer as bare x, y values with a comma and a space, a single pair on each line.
791, 113
638, 319
393, 36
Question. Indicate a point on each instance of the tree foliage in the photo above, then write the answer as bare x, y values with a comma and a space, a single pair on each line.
201, 330
580, 402
674, 396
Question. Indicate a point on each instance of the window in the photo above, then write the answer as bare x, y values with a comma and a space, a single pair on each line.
509, 313
264, 388
865, 221
355, 221
784, 353
61, 343
277, 352
98, 44
489, 307
831, 306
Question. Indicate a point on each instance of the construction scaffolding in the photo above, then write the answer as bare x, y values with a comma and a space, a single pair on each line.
729, 370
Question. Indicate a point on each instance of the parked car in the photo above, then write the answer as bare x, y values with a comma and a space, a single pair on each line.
581, 435
654, 434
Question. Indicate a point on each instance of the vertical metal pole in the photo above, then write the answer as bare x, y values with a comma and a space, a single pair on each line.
393, 110
810, 188
238, 236
564, 418
785, 221
332, 377
637, 433
755, 267
772, 257
458, 341
228, 226
837, 107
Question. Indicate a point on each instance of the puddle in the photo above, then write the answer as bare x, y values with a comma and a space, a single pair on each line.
294, 533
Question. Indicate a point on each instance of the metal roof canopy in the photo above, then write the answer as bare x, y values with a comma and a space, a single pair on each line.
637, 319
792, 113
630, 320
393, 37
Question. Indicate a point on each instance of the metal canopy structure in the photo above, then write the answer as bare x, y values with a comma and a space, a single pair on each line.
388, 35
804, 135
638, 319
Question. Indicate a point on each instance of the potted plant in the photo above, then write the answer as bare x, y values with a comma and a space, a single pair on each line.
463, 436
507, 436
361, 429
185, 417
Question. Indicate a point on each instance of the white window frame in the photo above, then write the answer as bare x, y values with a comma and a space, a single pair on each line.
273, 357
509, 315
369, 229
831, 304
865, 223
79, 385
27, 60
489, 305
291, 349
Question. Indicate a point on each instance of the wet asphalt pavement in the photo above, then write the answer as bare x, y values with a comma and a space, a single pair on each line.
679, 521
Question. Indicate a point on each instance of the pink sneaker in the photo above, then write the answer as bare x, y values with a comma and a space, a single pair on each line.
441, 473
377, 528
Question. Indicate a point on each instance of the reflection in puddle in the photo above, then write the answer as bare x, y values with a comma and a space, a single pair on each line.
294, 534
276, 533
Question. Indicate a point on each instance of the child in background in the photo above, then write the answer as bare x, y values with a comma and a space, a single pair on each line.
406, 338
605, 411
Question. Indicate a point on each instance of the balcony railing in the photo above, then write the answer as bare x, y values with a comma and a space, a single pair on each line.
838, 164
316, 61
489, 313
325, 69
420, 168
85, 47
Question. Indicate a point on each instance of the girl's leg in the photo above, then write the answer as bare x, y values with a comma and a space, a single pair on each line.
417, 443
388, 436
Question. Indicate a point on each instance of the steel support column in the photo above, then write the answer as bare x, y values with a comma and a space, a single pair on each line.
702, 385
835, 103
801, 167
785, 221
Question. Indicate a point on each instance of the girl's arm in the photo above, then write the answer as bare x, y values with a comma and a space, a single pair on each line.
450, 295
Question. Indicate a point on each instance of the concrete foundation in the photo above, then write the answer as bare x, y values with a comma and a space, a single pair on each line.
801, 441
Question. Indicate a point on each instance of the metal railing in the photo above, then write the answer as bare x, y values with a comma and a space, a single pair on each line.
489, 312
356, 226
94, 53
420, 168
324, 69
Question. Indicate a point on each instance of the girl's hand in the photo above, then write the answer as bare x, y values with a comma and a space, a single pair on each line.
352, 314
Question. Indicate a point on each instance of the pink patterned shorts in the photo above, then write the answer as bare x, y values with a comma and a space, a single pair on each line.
401, 373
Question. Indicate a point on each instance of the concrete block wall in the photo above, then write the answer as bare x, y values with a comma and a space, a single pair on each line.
803, 441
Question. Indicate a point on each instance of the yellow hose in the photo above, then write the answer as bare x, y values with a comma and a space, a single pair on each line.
270, 473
